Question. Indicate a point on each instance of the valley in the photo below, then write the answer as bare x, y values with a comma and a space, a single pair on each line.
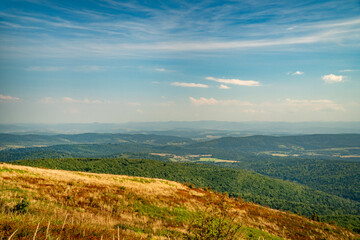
278, 172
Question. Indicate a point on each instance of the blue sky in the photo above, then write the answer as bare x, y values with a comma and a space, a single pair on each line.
119, 61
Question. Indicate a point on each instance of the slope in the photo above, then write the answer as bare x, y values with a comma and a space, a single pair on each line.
54, 204
250, 186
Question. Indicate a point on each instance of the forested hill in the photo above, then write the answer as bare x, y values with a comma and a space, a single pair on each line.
32, 140
270, 143
248, 144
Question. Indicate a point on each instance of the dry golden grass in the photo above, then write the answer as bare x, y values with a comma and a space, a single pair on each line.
75, 205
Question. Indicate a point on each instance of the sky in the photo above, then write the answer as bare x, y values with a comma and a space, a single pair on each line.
115, 61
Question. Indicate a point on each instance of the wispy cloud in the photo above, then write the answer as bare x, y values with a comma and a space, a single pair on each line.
85, 100
297, 73
8, 98
193, 85
222, 86
287, 105
50, 100
92, 68
235, 81
82, 68
348, 70
204, 101
160, 69
169, 28
291, 28
314, 105
332, 78
212, 101
132, 44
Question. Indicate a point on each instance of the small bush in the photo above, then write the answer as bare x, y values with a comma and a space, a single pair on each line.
22, 207
215, 223
315, 217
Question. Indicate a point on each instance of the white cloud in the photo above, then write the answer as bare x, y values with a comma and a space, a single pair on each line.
291, 28
50, 100
235, 81
332, 78
204, 101
134, 104
313, 105
222, 86
160, 69
8, 98
69, 100
212, 101
85, 100
297, 73
283, 106
181, 84
348, 70
87, 68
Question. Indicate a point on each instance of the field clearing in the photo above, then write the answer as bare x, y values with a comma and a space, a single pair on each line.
336, 149
216, 160
349, 156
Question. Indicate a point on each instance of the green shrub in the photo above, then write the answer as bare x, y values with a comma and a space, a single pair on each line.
22, 207
215, 223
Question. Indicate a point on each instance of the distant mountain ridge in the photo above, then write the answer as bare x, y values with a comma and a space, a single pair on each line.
245, 143
264, 143
190, 128
31, 140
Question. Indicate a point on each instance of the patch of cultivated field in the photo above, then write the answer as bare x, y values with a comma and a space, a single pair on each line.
215, 160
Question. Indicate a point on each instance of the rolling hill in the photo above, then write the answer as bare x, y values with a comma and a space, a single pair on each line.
53, 204
248, 185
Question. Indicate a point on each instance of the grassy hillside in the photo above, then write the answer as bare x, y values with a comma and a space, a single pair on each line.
248, 185
52, 204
